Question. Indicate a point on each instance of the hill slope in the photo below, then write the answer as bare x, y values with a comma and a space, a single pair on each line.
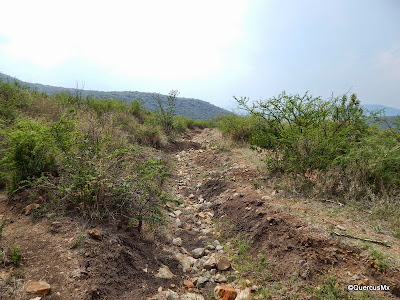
387, 110
188, 107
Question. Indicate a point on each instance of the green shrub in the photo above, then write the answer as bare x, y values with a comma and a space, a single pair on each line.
239, 128
121, 183
13, 97
15, 255
305, 132
375, 160
166, 111
30, 151
136, 109
102, 106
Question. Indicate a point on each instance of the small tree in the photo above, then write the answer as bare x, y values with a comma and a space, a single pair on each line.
166, 112
306, 132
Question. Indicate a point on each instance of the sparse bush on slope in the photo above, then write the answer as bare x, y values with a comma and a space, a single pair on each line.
328, 144
84, 156
239, 128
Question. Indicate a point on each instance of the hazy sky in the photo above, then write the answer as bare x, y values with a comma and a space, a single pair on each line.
211, 50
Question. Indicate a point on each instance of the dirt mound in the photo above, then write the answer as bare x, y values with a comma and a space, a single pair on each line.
120, 266
244, 174
292, 249
209, 160
212, 188
177, 146
123, 267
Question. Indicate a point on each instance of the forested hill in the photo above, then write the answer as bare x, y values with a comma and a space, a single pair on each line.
188, 107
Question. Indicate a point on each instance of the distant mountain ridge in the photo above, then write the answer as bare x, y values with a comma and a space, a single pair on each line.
192, 108
387, 110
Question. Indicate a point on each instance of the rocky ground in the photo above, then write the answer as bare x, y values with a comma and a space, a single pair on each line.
234, 236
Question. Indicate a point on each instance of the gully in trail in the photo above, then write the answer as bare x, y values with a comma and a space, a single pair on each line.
228, 231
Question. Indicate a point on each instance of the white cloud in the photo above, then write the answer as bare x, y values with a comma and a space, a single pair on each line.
148, 39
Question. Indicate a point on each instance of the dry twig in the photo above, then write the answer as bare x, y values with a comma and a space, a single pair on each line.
362, 239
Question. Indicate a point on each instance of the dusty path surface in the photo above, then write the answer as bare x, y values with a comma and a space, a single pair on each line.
232, 227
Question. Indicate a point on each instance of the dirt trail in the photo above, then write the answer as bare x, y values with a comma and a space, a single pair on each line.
299, 249
229, 209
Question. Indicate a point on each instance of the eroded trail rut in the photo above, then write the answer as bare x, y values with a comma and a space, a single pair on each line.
223, 202
227, 230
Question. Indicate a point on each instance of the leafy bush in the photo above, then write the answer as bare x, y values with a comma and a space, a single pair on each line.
326, 147
305, 132
239, 128
30, 152
166, 111
12, 97
82, 155
15, 255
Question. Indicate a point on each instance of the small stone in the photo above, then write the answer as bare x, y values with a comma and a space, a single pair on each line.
206, 230
216, 243
78, 273
266, 198
164, 272
356, 277
304, 271
248, 283
188, 284
177, 242
198, 252
185, 261
302, 262
191, 296
201, 215
219, 247
244, 295
201, 281
225, 292
31, 207
210, 263
178, 223
96, 234
340, 227
220, 278
38, 287
191, 196
171, 295
177, 213
223, 264
210, 247
36, 298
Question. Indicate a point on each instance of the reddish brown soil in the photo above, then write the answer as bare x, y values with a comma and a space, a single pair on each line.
112, 268
212, 188
289, 244
177, 146
208, 159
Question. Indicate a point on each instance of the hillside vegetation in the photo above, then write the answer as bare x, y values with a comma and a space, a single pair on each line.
188, 107
88, 156
327, 149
